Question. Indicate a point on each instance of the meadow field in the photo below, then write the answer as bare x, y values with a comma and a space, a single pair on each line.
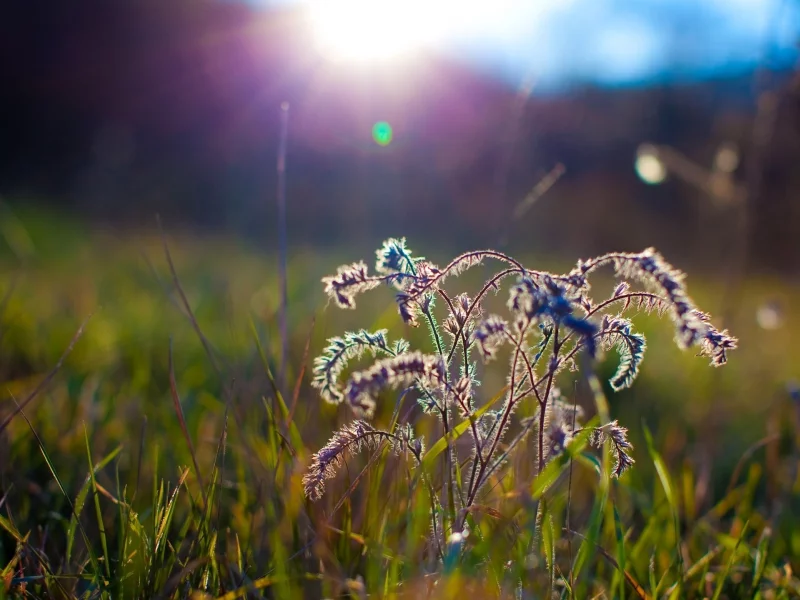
154, 441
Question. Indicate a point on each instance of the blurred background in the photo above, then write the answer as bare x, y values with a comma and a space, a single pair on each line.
552, 129
120, 110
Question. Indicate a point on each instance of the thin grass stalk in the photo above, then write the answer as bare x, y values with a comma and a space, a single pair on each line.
282, 242
19, 407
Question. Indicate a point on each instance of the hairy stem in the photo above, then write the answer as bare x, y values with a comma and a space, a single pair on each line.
507, 412
543, 410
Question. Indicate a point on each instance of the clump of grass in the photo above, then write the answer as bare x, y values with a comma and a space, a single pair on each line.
552, 325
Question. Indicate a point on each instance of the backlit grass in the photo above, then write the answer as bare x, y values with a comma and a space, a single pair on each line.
103, 493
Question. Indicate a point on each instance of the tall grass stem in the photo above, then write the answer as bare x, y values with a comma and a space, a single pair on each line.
282, 241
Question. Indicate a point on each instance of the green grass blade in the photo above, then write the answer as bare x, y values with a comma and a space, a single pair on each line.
294, 432
666, 484
760, 562
556, 467
100, 523
621, 559
724, 576
587, 548
80, 499
89, 547
457, 431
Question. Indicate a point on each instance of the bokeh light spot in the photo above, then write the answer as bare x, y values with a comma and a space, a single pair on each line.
770, 315
649, 166
727, 158
382, 133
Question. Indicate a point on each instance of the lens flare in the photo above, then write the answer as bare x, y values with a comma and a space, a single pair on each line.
382, 133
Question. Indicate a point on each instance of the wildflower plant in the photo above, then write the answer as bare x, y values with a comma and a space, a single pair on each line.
551, 324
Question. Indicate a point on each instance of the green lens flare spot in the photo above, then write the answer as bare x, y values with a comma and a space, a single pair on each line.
382, 133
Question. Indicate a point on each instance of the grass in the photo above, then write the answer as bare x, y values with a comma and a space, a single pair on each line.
152, 466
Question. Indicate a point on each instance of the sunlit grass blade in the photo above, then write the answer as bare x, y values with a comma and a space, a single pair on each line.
20, 406
621, 559
587, 547
81, 499
294, 432
761, 557
98, 511
723, 577
97, 578
173, 388
699, 567
457, 431
548, 544
559, 465
9, 528
666, 484
634, 584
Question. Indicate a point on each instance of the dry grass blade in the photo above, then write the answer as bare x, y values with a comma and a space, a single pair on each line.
366, 543
262, 583
299, 382
47, 378
346, 496
5, 496
139, 457
187, 310
539, 190
160, 283
635, 585
176, 579
289, 415
43, 563
173, 388
222, 448
746, 456
698, 567
494, 514
283, 242
187, 307
726, 572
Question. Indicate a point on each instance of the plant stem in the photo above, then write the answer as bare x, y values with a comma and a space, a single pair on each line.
282, 242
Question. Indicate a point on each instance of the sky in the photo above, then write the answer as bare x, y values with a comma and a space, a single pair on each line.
560, 43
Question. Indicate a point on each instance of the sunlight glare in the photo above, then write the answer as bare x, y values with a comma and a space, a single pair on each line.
372, 31
368, 30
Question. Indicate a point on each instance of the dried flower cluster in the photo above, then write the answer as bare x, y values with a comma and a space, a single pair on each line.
551, 321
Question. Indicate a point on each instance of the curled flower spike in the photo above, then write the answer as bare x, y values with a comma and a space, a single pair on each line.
616, 332
349, 281
340, 350
621, 447
399, 371
351, 439
491, 333
692, 327
462, 318
393, 258
462, 394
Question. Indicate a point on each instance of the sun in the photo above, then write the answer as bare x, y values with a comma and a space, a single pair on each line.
373, 31
379, 31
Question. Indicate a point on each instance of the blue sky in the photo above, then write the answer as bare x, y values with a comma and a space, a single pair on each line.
622, 42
